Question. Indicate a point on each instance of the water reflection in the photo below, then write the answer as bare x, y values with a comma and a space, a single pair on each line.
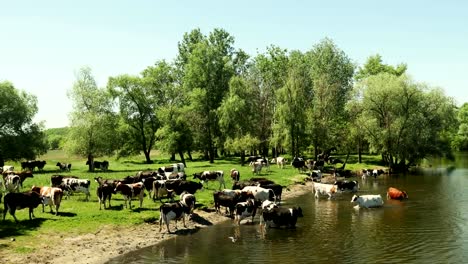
429, 227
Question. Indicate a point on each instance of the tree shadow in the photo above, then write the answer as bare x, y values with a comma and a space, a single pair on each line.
9, 227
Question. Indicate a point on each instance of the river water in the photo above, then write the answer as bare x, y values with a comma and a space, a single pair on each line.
430, 227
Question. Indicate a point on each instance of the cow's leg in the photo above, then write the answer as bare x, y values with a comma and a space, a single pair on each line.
31, 213
183, 219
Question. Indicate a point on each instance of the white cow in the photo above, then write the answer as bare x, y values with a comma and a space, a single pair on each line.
367, 201
260, 194
325, 189
280, 161
12, 183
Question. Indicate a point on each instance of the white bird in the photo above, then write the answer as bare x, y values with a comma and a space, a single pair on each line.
233, 239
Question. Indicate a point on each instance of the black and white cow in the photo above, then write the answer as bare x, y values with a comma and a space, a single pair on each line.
71, 185
281, 216
244, 210
172, 211
207, 176
298, 163
102, 165
347, 186
64, 166
173, 168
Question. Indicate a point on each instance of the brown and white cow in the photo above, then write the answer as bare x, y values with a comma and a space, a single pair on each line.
235, 175
51, 196
18, 201
130, 191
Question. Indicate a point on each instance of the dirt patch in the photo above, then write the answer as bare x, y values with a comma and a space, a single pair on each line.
112, 241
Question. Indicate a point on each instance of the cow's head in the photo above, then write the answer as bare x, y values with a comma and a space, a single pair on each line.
298, 212
355, 197
405, 195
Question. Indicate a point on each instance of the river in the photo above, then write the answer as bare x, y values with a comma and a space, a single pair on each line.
430, 227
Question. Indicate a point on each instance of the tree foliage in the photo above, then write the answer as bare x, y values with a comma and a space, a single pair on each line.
460, 140
93, 123
20, 137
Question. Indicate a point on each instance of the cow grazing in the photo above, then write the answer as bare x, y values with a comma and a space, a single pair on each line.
102, 165
281, 216
64, 166
207, 176
130, 191
367, 201
14, 201
347, 186
52, 196
256, 167
280, 162
395, 194
104, 191
325, 189
172, 211
32, 164
235, 175
244, 210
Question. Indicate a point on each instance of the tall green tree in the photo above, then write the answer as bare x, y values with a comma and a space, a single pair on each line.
374, 65
405, 121
20, 137
293, 104
206, 80
139, 100
460, 141
331, 71
268, 73
93, 122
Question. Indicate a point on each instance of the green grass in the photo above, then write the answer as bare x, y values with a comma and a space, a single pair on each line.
77, 216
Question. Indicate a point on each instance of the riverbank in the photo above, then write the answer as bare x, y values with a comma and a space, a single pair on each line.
112, 241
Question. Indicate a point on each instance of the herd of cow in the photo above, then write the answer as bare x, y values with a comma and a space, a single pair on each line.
244, 200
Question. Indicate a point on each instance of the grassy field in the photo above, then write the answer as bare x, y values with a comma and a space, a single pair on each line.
77, 216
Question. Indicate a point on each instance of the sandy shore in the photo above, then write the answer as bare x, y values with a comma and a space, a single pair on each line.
110, 242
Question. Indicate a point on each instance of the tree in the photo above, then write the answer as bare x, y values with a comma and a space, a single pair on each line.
20, 137
93, 124
206, 80
405, 121
293, 104
460, 140
331, 72
374, 66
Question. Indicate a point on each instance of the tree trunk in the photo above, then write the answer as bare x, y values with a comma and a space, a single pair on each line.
147, 157
190, 155
90, 162
242, 157
359, 151
172, 157
181, 154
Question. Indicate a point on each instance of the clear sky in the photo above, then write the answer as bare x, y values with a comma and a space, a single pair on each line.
43, 43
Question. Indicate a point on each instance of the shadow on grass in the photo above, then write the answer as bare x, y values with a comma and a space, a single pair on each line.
9, 227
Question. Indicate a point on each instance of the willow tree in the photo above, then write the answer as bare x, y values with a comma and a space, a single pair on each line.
92, 120
20, 137
406, 121
331, 71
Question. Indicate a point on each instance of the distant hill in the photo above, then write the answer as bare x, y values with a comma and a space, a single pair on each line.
56, 137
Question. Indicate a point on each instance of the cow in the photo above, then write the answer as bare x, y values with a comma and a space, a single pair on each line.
280, 162
207, 176
244, 210
172, 211
235, 175
276, 188
32, 164
367, 201
167, 170
253, 158
325, 189
72, 185
105, 190
12, 183
130, 191
180, 186
256, 167
188, 200
52, 196
366, 173
229, 198
14, 201
102, 165
347, 186
395, 194
64, 166
298, 163
160, 189
260, 194
281, 216
8, 168
56, 180
377, 172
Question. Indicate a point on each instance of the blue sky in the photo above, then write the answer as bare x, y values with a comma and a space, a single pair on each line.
43, 43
